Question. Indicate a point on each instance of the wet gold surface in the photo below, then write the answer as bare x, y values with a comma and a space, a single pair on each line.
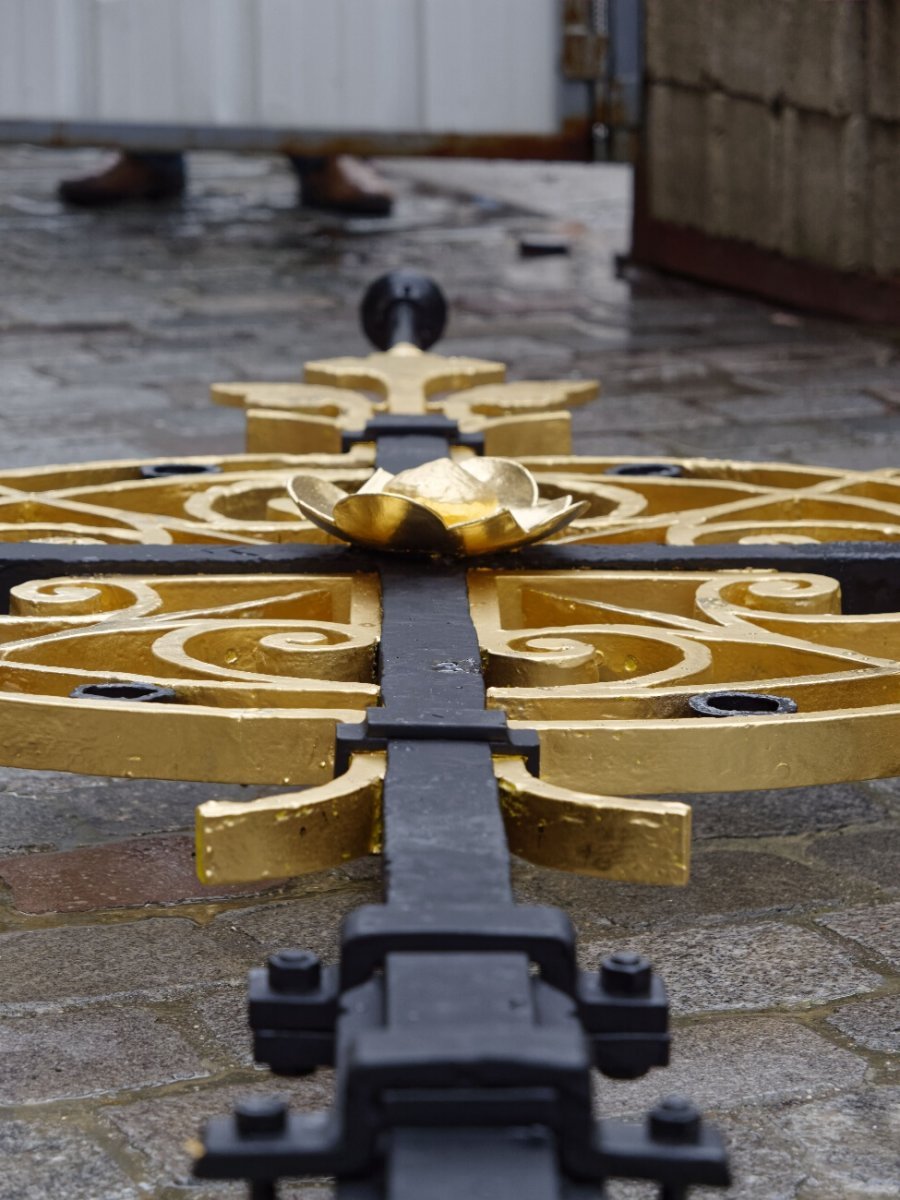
246, 501
295, 428
602, 665
289, 835
440, 507
262, 667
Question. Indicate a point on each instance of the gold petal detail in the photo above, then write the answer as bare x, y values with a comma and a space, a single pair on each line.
391, 522
455, 495
316, 499
512, 483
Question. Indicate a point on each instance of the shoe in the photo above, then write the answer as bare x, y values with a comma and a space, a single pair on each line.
349, 186
130, 178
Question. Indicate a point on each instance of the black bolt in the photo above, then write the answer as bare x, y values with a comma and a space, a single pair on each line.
626, 973
674, 1120
261, 1114
294, 971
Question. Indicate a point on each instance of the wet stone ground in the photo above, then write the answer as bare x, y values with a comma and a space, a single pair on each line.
121, 1018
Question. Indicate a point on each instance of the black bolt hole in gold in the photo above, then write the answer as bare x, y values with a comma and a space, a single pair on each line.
136, 693
167, 469
740, 704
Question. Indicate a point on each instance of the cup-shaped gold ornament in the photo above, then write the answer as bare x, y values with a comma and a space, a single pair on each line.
441, 507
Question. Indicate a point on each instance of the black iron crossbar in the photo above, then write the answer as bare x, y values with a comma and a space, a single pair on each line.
868, 572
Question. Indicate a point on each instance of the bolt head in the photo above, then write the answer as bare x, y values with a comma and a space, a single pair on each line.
261, 1114
674, 1120
626, 974
294, 971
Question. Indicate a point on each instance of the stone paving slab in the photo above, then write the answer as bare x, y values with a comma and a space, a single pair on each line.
159, 1129
789, 811
726, 885
808, 1151
51, 1158
147, 870
62, 1056
314, 925
871, 854
112, 327
850, 1144
76, 964
877, 929
725, 1064
48, 810
763, 966
216, 1020
875, 1026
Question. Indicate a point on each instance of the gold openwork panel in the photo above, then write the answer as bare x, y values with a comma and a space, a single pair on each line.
262, 667
604, 664
244, 499
296, 429
260, 670
719, 501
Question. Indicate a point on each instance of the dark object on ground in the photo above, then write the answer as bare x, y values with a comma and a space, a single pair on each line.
132, 177
341, 185
349, 186
539, 245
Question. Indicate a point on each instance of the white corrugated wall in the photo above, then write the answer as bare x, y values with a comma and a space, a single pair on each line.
438, 66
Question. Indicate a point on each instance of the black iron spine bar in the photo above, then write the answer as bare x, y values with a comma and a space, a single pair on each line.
450, 1052
430, 671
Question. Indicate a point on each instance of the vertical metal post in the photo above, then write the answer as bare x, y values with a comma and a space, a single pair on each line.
623, 101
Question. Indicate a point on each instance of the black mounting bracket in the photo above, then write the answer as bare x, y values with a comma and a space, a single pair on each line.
480, 725
405, 441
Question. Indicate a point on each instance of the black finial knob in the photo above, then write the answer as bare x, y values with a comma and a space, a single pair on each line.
403, 306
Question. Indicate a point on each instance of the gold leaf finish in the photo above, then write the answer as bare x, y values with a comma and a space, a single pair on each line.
296, 428
405, 376
283, 836
603, 665
263, 668
635, 841
441, 507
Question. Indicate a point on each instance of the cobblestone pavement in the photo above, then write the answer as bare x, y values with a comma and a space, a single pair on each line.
123, 1026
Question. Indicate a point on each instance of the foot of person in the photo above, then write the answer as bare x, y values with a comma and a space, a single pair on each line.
349, 186
129, 179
